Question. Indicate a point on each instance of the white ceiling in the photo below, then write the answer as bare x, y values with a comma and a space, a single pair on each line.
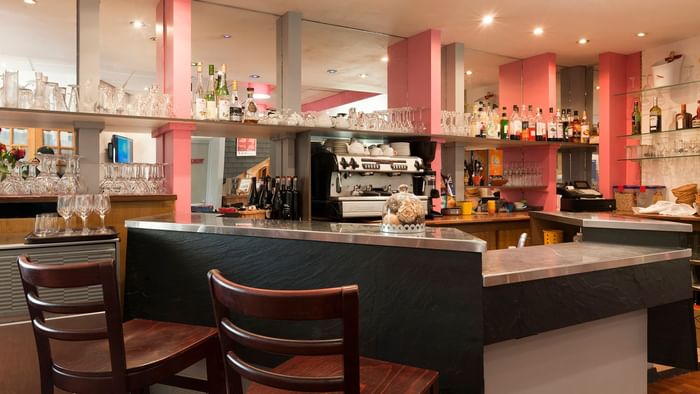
46, 34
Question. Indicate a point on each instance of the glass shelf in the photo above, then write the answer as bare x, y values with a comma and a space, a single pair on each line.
663, 134
660, 157
659, 89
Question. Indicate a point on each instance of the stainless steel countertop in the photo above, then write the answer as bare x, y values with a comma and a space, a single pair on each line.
611, 221
353, 233
506, 266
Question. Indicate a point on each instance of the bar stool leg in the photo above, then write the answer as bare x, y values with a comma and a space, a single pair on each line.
216, 380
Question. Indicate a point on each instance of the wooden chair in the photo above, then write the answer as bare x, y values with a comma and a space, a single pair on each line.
318, 365
118, 358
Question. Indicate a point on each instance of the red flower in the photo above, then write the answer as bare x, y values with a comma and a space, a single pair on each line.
15, 153
3, 148
22, 153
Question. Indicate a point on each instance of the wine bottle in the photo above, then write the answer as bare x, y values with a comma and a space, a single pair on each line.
262, 196
575, 126
560, 125
211, 95
253, 195
504, 125
683, 119
516, 124
199, 101
655, 117
296, 209
277, 200
636, 119
585, 129
540, 126
287, 199
223, 99
552, 125
236, 108
270, 191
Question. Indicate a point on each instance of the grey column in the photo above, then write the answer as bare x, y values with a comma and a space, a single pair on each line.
453, 164
282, 158
89, 148
88, 51
453, 77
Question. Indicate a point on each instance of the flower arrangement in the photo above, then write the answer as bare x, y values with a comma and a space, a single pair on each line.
8, 159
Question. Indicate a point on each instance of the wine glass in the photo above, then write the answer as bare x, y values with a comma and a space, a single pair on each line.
102, 207
83, 206
66, 208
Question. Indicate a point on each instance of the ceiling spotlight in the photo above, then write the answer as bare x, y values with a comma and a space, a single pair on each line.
331, 71
538, 31
226, 35
469, 72
641, 34
583, 41
254, 76
384, 59
32, 2
261, 96
597, 87
137, 24
487, 20
364, 76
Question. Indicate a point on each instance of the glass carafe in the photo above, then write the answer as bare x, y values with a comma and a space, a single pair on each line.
39, 92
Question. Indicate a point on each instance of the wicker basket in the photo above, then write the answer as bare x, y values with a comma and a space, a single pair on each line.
685, 194
254, 214
553, 236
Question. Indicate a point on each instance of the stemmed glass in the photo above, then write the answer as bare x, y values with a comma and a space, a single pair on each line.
102, 207
84, 204
66, 208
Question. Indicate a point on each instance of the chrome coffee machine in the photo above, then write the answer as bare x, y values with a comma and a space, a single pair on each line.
345, 186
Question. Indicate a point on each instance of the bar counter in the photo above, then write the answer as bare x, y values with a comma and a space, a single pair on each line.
499, 230
435, 301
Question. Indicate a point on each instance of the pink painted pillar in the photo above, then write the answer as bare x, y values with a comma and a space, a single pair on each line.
617, 74
510, 89
414, 80
540, 81
173, 57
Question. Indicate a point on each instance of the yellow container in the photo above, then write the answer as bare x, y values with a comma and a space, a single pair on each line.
491, 206
553, 236
467, 208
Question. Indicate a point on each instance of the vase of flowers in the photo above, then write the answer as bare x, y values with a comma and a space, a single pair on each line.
8, 159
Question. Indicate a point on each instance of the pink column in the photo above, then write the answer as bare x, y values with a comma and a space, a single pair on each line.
173, 57
414, 80
510, 89
336, 100
617, 74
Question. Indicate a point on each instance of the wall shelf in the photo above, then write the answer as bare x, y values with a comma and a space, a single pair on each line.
660, 88
663, 134
660, 157
493, 143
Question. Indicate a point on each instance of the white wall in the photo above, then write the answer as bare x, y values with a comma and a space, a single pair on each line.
374, 103
672, 172
144, 146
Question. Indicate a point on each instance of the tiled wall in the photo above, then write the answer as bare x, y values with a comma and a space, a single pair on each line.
234, 165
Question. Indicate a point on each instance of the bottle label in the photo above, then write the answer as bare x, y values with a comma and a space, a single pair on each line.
585, 131
517, 127
560, 131
541, 129
696, 122
552, 131
679, 123
224, 107
653, 119
236, 114
200, 108
211, 110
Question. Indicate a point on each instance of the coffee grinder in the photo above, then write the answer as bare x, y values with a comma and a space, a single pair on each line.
427, 185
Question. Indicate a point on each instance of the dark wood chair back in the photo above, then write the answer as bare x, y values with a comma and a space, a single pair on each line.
321, 304
68, 276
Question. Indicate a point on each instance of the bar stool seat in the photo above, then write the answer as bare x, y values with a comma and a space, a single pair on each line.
148, 344
376, 376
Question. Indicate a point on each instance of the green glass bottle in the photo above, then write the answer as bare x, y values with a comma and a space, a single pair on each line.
211, 95
223, 98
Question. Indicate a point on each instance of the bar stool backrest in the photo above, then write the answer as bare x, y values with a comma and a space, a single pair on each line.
319, 304
69, 276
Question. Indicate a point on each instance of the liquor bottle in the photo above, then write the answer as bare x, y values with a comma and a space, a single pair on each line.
636, 119
504, 124
684, 119
560, 125
481, 124
540, 127
277, 200
525, 131
223, 98
211, 95
575, 126
585, 129
516, 124
253, 195
236, 114
287, 199
696, 119
655, 118
552, 126
494, 123
262, 196
250, 109
199, 101
531, 123
568, 131
296, 208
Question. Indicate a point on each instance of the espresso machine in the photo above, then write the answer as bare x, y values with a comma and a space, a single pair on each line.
428, 187
355, 187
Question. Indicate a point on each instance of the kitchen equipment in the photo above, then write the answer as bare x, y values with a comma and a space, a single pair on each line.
345, 186
451, 211
579, 197
403, 212
426, 151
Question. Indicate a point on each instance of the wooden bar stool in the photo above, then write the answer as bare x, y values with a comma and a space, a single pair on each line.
118, 358
328, 365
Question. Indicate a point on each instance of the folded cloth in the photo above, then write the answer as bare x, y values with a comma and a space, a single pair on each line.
657, 207
679, 210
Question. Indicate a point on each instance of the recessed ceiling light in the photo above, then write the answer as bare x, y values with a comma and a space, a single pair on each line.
583, 41
364, 76
261, 96
226, 35
538, 31
331, 71
30, 2
487, 20
641, 34
254, 76
384, 59
469, 72
137, 24
597, 87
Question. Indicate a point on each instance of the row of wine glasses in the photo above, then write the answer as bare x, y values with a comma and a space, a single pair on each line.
523, 174
83, 205
133, 178
52, 175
